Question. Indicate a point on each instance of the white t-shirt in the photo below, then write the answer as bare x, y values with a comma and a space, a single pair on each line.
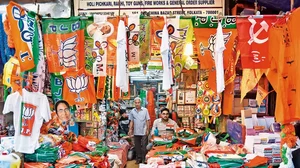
219, 48
122, 75
35, 108
166, 59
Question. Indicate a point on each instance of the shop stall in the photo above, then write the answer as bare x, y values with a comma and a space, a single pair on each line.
71, 88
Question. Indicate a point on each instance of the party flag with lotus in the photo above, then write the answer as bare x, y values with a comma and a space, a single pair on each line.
205, 38
79, 87
64, 44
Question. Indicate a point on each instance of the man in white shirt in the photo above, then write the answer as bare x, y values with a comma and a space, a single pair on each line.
139, 127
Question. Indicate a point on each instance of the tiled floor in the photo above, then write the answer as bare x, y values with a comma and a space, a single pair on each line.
131, 164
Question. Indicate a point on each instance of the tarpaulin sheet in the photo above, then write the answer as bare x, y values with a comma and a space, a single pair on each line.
282, 5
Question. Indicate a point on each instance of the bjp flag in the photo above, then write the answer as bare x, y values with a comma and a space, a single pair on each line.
156, 27
23, 32
253, 36
205, 29
79, 88
64, 44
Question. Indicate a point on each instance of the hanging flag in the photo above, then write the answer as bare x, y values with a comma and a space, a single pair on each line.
23, 32
156, 26
230, 72
39, 74
261, 94
253, 40
79, 87
64, 44
11, 67
166, 59
144, 39
56, 87
100, 30
88, 45
133, 43
186, 34
205, 39
249, 80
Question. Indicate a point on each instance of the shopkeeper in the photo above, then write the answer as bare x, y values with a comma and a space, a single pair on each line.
139, 126
161, 124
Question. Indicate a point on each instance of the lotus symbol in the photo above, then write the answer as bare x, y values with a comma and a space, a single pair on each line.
67, 53
77, 85
212, 42
28, 113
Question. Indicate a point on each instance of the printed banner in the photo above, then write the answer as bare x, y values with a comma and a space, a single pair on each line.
79, 87
64, 44
186, 34
56, 87
144, 39
254, 41
156, 27
99, 31
39, 75
23, 32
88, 46
205, 34
133, 37
112, 41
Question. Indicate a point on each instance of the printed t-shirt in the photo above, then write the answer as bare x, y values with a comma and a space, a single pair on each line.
29, 110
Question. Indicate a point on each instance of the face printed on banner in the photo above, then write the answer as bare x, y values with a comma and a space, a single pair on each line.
63, 113
104, 29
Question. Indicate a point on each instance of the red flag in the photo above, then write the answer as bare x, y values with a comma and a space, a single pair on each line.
253, 34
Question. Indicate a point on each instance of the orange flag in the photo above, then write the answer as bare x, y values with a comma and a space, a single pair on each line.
249, 80
261, 94
16, 83
22, 28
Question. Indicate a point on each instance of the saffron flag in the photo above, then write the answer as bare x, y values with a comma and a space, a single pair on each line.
156, 27
64, 44
205, 39
79, 87
254, 41
23, 32
261, 95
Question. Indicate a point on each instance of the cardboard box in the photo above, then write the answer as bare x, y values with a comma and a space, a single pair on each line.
237, 102
237, 110
245, 102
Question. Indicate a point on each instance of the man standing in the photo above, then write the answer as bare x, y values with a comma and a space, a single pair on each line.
139, 126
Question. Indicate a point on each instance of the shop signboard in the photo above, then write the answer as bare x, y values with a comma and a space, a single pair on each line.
153, 7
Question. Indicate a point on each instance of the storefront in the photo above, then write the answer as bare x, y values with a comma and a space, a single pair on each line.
160, 83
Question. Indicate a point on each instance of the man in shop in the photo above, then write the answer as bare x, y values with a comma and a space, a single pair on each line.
139, 127
163, 125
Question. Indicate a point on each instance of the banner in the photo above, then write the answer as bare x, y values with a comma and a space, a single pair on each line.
23, 32
254, 41
156, 27
79, 87
64, 44
88, 46
144, 39
186, 34
133, 43
205, 34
